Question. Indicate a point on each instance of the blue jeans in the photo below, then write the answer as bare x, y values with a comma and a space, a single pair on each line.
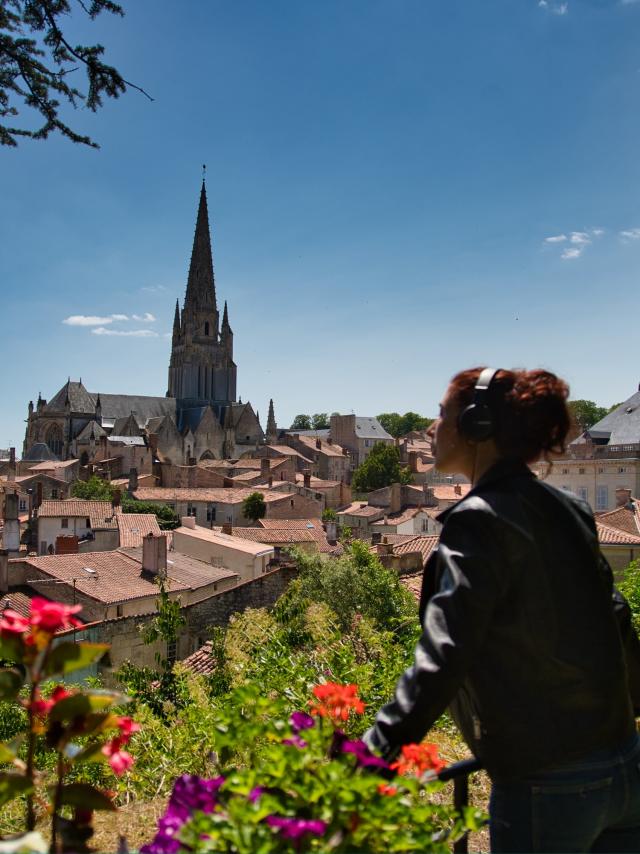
589, 805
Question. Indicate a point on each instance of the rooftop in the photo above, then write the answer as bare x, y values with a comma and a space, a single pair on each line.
216, 537
223, 495
134, 526
100, 513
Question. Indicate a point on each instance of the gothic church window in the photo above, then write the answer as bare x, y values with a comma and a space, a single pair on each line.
54, 439
206, 327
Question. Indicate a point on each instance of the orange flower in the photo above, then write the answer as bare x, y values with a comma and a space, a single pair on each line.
336, 701
418, 758
386, 789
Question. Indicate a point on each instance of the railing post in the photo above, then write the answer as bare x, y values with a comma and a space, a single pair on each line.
460, 800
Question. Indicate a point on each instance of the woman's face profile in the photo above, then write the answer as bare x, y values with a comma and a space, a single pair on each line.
452, 452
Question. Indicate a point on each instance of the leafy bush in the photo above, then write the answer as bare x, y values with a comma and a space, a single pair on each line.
630, 589
381, 468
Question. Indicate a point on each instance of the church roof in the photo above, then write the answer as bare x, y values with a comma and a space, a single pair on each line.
80, 399
91, 427
200, 283
39, 452
116, 406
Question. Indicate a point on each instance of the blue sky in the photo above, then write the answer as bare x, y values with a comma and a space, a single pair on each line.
383, 178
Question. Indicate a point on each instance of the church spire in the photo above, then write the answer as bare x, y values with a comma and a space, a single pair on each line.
201, 289
272, 430
176, 322
225, 317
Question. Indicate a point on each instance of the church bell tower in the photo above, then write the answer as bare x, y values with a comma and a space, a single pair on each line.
201, 370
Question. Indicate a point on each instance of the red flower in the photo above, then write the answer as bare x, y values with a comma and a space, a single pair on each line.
42, 707
386, 789
12, 624
127, 727
418, 758
336, 701
51, 617
119, 760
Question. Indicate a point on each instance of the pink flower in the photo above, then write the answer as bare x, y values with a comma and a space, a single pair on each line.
119, 760
51, 617
12, 624
42, 707
127, 727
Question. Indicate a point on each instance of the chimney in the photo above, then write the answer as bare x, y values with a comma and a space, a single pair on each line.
318, 444
188, 522
12, 463
270, 481
133, 481
376, 538
265, 467
4, 571
623, 496
413, 461
458, 489
385, 547
331, 530
395, 498
430, 499
227, 528
38, 498
306, 474
154, 555
11, 534
153, 443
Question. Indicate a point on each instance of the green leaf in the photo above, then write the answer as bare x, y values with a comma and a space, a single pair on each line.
9, 750
83, 704
68, 656
12, 785
91, 753
85, 796
11, 649
11, 681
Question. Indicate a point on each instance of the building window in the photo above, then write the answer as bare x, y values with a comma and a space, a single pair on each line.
367, 443
64, 523
211, 512
87, 522
23, 505
191, 509
600, 471
583, 493
581, 471
565, 471
602, 498
206, 327
54, 493
621, 469
119, 610
172, 651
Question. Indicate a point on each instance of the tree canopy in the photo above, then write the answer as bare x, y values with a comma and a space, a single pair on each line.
399, 425
586, 413
381, 468
38, 64
254, 507
301, 422
318, 421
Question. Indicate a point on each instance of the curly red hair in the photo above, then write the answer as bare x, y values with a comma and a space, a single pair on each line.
529, 410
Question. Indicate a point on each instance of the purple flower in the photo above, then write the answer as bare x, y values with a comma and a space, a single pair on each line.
300, 721
295, 828
190, 793
364, 757
254, 794
295, 740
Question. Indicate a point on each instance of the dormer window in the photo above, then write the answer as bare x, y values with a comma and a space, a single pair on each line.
206, 328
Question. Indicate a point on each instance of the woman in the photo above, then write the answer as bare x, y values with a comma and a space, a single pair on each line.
520, 636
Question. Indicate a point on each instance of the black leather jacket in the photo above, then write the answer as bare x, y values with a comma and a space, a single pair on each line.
519, 638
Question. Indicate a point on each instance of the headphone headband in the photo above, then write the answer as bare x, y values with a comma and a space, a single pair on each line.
476, 420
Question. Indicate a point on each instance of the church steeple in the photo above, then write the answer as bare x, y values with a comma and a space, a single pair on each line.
272, 430
176, 322
201, 288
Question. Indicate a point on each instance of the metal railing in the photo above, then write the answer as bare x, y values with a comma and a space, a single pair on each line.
459, 772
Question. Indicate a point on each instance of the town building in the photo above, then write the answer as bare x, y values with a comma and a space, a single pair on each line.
359, 435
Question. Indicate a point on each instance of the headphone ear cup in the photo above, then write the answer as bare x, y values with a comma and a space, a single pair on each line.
476, 422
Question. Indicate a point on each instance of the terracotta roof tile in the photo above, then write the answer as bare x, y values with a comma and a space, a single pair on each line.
223, 495
134, 526
201, 661
217, 537
275, 536
413, 582
101, 513
16, 601
361, 508
623, 518
615, 536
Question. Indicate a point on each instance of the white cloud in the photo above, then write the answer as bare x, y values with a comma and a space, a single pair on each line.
568, 254
154, 289
597, 232
129, 333
147, 317
629, 2
630, 234
556, 238
581, 238
543, 3
92, 319
560, 9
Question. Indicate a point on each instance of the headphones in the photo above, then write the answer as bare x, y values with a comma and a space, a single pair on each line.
475, 422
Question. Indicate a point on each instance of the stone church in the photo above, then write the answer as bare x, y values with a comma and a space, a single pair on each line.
199, 418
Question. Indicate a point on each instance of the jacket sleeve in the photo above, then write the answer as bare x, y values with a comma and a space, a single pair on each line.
628, 635
455, 624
